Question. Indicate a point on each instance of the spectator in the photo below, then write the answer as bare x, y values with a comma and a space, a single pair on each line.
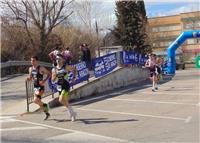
53, 54
67, 54
86, 55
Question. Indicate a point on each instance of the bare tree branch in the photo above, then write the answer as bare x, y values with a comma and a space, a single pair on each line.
37, 10
44, 14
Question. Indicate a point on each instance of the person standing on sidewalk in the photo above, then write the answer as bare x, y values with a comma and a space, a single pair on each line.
36, 73
60, 76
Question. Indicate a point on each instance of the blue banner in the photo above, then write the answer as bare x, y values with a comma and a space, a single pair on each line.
132, 58
82, 72
127, 57
142, 59
104, 64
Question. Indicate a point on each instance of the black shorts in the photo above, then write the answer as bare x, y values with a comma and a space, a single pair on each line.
152, 72
158, 69
39, 96
38, 91
65, 86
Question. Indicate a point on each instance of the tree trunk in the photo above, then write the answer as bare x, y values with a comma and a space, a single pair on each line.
43, 44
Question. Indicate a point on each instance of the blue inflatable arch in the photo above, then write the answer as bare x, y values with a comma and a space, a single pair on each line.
171, 62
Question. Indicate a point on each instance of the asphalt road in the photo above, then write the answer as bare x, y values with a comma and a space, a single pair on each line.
131, 114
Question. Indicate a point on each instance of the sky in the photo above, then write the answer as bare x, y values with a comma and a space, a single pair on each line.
166, 8
156, 8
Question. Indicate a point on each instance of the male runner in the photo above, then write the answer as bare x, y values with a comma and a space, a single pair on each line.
36, 73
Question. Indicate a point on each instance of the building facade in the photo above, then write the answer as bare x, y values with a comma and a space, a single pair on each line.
164, 30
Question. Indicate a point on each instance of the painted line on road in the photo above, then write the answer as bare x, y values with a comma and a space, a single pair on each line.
153, 101
76, 131
168, 93
6, 117
23, 128
126, 90
134, 114
7, 120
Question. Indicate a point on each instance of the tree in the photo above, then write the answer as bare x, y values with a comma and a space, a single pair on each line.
132, 25
45, 15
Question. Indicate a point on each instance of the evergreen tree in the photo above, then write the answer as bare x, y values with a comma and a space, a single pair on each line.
131, 26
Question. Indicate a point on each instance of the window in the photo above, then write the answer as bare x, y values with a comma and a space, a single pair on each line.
188, 25
166, 43
193, 41
169, 28
154, 29
191, 25
155, 44
166, 28
197, 24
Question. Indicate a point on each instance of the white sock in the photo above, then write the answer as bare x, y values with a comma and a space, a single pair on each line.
153, 87
70, 111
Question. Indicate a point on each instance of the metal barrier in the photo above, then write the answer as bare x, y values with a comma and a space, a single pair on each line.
23, 63
30, 92
13, 67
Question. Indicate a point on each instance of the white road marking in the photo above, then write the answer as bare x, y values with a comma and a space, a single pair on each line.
152, 101
81, 137
134, 114
7, 120
7, 117
166, 93
188, 119
71, 130
23, 128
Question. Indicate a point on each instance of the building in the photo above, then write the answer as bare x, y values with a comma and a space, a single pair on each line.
164, 30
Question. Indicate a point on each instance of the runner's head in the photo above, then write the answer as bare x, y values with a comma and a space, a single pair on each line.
34, 60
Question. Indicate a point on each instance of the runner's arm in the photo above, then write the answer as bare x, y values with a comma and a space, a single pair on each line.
46, 72
73, 69
51, 55
147, 65
53, 76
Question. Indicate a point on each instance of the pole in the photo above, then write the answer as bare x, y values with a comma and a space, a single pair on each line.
97, 31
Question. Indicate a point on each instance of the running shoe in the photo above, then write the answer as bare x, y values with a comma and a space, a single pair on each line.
73, 117
47, 116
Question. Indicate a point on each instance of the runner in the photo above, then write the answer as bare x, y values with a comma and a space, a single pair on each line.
151, 64
60, 75
36, 73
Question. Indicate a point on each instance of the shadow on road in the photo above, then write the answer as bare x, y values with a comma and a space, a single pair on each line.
94, 120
